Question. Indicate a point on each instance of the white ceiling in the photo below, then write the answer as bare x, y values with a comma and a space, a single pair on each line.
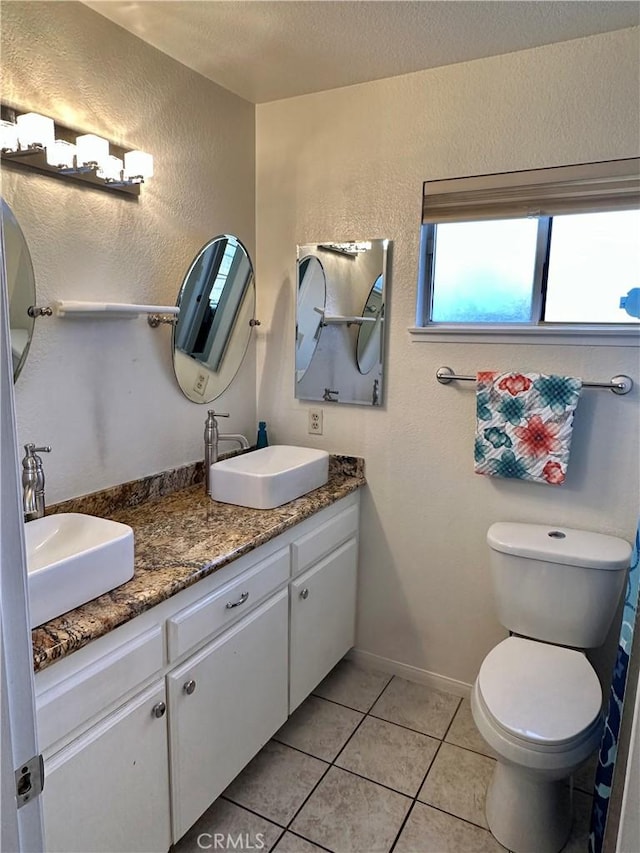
265, 50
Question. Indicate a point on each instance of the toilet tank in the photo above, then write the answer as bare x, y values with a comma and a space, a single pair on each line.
557, 584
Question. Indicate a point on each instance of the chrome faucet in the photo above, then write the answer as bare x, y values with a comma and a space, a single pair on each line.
211, 438
33, 482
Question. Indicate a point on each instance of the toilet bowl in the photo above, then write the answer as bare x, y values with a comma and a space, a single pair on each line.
539, 708
537, 701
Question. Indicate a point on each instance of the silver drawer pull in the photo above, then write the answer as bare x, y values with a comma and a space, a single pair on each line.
241, 600
158, 710
304, 593
189, 686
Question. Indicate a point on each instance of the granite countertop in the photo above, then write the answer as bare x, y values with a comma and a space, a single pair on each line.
181, 536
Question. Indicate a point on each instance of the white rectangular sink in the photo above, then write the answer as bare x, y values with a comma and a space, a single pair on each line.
269, 477
73, 558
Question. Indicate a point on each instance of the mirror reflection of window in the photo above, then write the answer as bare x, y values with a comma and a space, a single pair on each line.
217, 304
213, 293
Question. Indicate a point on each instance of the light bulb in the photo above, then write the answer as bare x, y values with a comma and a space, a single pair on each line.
92, 151
61, 154
35, 130
138, 165
8, 136
111, 169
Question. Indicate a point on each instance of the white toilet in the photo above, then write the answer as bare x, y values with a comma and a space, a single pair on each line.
537, 701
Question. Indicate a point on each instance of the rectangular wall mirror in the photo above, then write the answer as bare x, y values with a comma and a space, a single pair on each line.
340, 328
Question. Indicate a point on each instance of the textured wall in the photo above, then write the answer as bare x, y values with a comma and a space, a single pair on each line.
103, 394
350, 164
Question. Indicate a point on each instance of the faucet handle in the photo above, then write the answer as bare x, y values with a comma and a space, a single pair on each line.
30, 449
212, 413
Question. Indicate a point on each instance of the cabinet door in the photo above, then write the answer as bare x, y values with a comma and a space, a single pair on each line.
225, 702
109, 789
323, 610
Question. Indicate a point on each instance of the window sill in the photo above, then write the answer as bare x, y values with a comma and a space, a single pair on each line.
565, 335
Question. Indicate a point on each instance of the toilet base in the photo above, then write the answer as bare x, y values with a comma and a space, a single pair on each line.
526, 814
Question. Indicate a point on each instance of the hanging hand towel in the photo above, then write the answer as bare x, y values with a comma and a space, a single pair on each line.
524, 423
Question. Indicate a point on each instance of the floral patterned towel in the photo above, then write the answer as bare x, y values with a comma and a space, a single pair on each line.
524, 423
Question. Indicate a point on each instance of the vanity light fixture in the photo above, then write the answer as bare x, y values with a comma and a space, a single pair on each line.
351, 248
38, 142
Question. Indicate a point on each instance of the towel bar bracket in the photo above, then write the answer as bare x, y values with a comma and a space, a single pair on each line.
445, 375
619, 384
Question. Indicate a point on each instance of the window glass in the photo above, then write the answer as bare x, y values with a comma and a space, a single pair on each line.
594, 261
483, 271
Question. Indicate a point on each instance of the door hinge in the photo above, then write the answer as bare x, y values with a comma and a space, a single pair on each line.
29, 780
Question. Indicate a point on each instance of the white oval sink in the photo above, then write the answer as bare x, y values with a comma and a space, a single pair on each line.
269, 477
73, 558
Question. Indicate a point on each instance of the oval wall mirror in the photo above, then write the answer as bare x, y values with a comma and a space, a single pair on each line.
21, 287
217, 304
369, 343
312, 297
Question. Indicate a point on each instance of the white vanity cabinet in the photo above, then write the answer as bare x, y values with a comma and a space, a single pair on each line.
142, 729
225, 703
108, 789
105, 754
323, 602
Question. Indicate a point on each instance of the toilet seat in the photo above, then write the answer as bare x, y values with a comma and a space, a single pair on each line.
545, 697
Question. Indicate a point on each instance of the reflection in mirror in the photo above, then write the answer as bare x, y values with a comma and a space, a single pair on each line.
344, 359
312, 296
217, 302
21, 287
369, 344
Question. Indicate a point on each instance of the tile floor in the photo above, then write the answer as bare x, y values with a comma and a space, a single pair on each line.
369, 763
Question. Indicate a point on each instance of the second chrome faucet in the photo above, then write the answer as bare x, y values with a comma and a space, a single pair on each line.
33, 482
211, 438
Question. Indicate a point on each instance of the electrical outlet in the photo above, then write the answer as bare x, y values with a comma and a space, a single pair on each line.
200, 385
315, 422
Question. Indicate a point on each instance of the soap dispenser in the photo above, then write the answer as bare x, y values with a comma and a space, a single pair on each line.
262, 439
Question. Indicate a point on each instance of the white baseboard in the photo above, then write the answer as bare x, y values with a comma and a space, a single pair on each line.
412, 673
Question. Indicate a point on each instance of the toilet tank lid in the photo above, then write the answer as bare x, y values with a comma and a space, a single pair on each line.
562, 545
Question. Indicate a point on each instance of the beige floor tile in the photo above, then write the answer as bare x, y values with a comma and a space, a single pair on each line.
351, 815
431, 831
463, 731
319, 727
276, 782
389, 754
583, 779
226, 826
417, 707
290, 843
578, 840
457, 783
352, 685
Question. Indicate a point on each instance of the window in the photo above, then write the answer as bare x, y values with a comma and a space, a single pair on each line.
533, 249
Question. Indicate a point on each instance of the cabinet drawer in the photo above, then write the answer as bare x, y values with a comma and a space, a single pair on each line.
76, 699
223, 606
310, 548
